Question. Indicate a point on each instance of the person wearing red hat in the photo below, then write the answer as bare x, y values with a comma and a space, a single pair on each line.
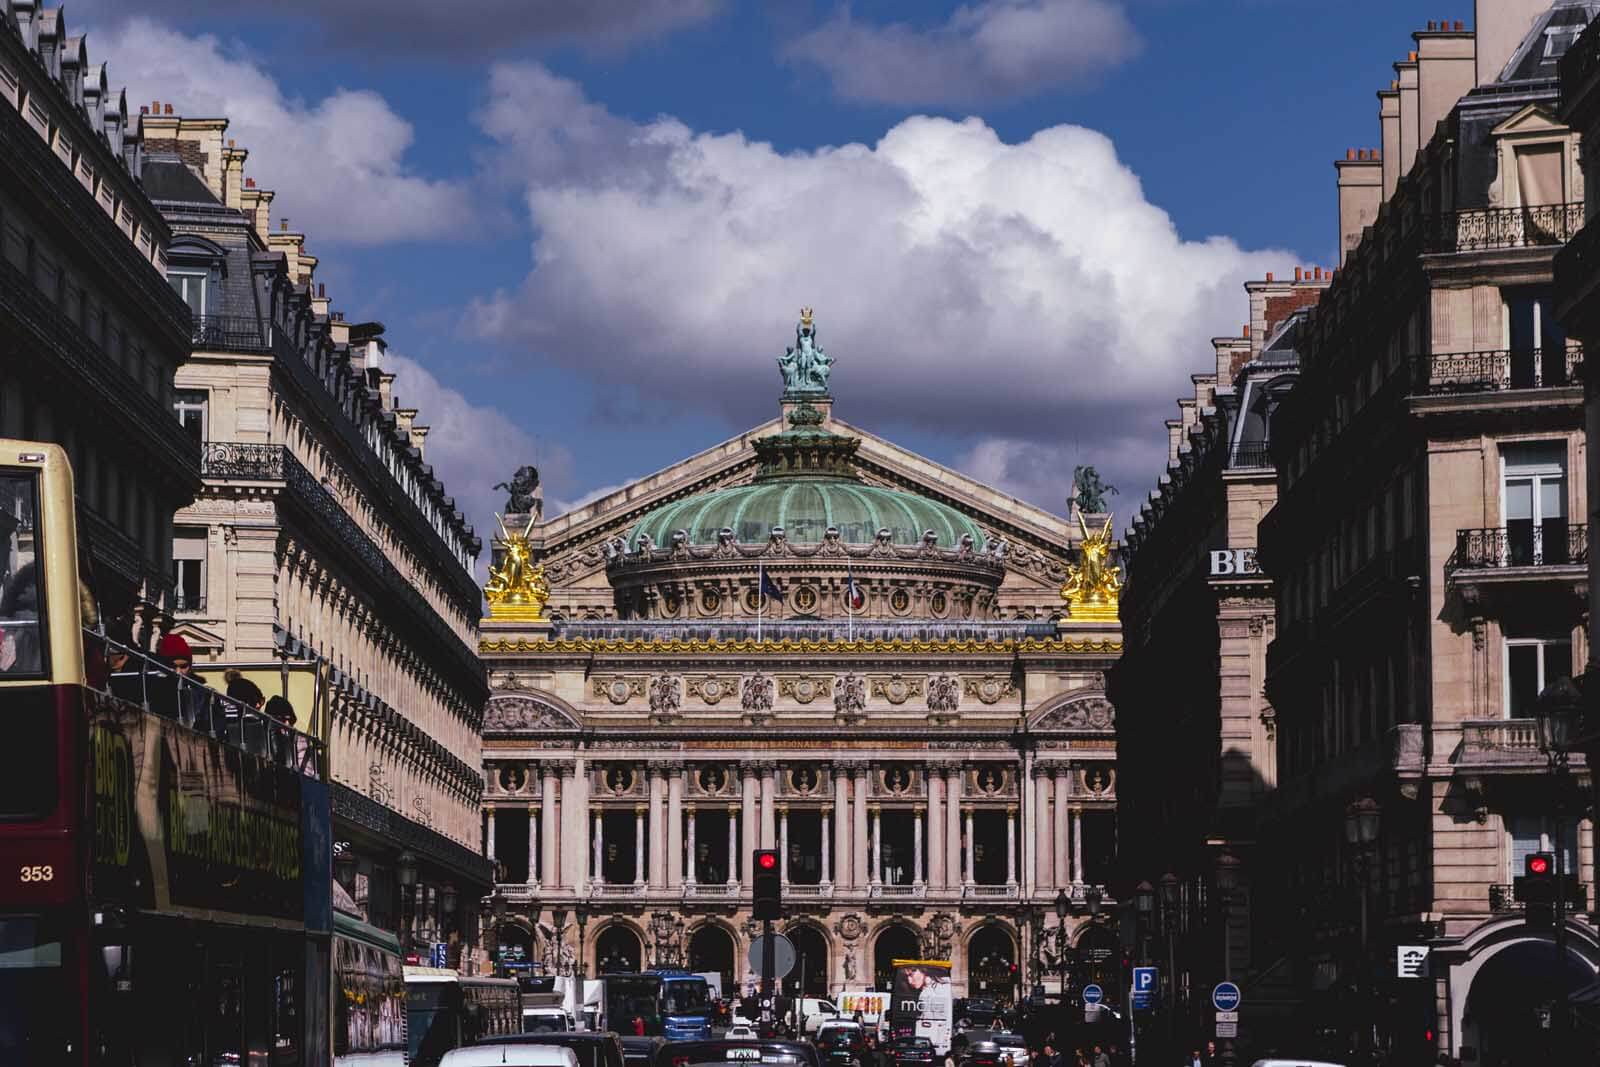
175, 650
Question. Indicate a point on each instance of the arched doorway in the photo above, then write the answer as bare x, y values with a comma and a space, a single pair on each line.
810, 975
895, 942
711, 949
992, 964
1508, 1005
617, 950
1097, 959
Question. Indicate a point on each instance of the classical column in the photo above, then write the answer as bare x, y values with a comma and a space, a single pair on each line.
769, 800
952, 827
1062, 864
658, 827
827, 866
598, 872
1043, 849
748, 819
488, 837
841, 825
783, 844
533, 844
549, 860
1024, 782
1077, 846
573, 854
674, 857
968, 850
916, 849
935, 826
877, 844
733, 844
861, 860
689, 859
638, 844
1011, 845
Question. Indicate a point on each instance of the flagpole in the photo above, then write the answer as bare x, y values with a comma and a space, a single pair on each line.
761, 597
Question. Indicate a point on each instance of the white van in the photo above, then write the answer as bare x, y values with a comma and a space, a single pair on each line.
813, 1012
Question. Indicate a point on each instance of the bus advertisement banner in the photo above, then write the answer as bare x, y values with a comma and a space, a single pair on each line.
183, 821
922, 1001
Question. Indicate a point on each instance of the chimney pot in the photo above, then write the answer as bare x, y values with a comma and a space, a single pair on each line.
1297, 274
230, 142
155, 105
322, 288
1269, 275
169, 109
249, 183
1460, 25
283, 225
1349, 153
1244, 331
1432, 25
1319, 274
144, 109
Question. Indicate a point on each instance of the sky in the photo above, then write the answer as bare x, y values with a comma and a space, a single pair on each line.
589, 227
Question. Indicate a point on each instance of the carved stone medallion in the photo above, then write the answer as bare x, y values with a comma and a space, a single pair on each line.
896, 689
713, 688
990, 689
804, 688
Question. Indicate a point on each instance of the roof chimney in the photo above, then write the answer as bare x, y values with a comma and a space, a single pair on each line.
1269, 275
169, 109
1297, 274
249, 183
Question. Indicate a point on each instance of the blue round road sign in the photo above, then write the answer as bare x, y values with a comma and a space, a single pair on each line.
1225, 997
1093, 994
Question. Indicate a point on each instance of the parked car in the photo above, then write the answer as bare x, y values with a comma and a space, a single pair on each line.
594, 1048
909, 1052
740, 1033
509, 1054
641, 1051
990, 1048
725, 1053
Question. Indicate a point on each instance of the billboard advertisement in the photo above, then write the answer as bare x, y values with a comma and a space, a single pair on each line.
922, 1003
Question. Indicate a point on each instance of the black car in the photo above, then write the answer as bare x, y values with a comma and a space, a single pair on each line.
641, 1051
908, 1052
842, 1044
592, 1047
989, 1048
733, 1053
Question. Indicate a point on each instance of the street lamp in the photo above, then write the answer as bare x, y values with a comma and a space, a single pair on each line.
1170, 895
1227, 885
581, 911
1063, 905
405, 872
1362, 822
1558, 714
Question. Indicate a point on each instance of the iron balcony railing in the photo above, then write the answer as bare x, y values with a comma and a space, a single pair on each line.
1556, 543
231, 333
1501, 369
1250, 456
1481, 229
190, 603
253, 461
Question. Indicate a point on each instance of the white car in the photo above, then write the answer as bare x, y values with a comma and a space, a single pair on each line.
510, 1055
1280, 1062
740, 1033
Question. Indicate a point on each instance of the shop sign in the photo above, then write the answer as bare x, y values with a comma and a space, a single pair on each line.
1233, 562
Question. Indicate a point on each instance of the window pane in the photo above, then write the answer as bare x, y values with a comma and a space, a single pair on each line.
1522, 680
1557, 661
1552, 498
1519, 499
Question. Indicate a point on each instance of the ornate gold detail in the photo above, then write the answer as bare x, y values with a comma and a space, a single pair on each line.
712, 646
1094, 583
805, 318
896, 689
516, 589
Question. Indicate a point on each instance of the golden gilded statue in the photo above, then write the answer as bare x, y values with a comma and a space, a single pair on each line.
1094, 584
516, 589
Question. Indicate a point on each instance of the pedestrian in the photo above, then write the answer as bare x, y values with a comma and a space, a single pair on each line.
638, 1026
1101, 1057
1211, 1058
1194, 1058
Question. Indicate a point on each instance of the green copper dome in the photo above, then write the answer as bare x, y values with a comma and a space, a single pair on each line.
805, 508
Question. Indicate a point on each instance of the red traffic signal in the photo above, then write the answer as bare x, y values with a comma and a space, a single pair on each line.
1540, 864
766, 884
766, 860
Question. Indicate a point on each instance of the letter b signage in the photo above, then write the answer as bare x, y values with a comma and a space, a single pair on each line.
1233, 561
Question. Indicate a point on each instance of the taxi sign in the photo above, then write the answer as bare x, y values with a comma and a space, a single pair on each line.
743, 1054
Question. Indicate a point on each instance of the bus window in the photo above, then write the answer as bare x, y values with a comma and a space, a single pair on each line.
21, 607
33, 991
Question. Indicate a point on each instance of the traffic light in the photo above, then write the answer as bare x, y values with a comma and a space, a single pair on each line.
766, 885
1536, 889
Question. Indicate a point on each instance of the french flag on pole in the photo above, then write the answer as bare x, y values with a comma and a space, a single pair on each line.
854, 598
769, 587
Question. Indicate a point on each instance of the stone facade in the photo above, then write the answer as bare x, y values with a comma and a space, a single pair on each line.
933, 771
94, 334
1428, 557
323, 556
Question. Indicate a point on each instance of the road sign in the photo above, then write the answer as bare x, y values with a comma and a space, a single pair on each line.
1225, 997
1227, 1016
1091, 1013
1144, 986
439, 955
1093, 994
1227, 1029
1411, 961
783, 955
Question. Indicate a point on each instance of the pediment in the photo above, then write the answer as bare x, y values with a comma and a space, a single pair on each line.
531, 710
1079, 710
1531, 119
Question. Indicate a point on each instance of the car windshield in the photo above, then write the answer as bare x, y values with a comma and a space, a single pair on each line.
679, 997
21, 609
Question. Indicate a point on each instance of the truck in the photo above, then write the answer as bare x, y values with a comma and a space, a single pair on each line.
685, 1004
921, 1003
616, 1001
870, 1005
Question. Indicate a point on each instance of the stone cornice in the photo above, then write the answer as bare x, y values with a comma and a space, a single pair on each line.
597, 646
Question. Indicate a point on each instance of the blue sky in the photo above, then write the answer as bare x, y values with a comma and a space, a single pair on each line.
607, 215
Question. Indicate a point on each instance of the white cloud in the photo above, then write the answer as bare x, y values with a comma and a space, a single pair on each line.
995, 49
463, 28
475, 446
1025, 292
338, 164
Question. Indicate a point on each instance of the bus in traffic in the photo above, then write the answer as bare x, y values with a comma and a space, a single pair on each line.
165, 852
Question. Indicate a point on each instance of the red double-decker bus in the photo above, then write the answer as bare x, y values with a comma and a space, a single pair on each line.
165, 853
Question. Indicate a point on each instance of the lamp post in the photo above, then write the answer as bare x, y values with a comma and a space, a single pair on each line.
405, 872
581, 911
1558, 715
1144, 906
497, 909
1170, 898
1063, 905
1361, 826
1227, 885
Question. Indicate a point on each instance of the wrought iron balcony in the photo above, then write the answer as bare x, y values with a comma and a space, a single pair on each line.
247, 460
189, 604
231, 333
1502, 369
1483, 229
1250, 456
1553, 544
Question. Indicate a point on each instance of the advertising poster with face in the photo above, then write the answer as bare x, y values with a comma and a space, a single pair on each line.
922, 1002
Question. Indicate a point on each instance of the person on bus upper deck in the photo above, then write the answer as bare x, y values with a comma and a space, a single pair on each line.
244, 690
280, 709
176, 651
